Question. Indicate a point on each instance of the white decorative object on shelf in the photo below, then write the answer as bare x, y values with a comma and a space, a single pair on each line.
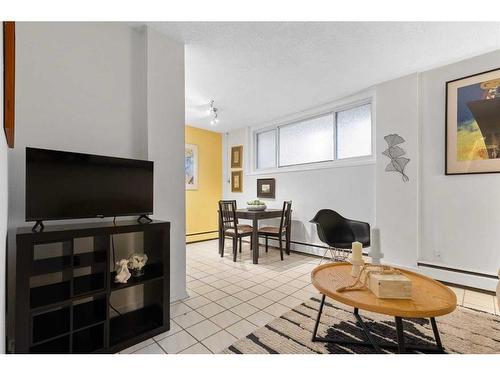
356, 258
122, 272
136, 263
375, 253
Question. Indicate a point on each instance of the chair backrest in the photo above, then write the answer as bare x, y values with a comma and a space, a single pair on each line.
227, 213
286, 215
333, 228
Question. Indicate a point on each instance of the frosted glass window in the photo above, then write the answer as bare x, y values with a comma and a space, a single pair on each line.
308, 141
266, 149
354, 132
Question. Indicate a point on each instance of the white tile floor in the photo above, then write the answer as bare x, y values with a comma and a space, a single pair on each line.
230, 300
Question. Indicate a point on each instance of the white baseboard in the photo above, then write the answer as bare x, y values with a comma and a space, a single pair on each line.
459, 278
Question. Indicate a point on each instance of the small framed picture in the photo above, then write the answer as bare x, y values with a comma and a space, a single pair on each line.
237, 157
191, 166
266, 188
472, 125
237, 181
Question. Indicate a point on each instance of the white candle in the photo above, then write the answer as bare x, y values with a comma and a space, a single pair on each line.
357, 251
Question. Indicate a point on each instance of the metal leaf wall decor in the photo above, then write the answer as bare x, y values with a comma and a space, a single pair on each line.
395, 153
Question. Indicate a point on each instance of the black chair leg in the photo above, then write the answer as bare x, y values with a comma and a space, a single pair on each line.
240, 245
235, 248
223, 242
266, 243
281, 248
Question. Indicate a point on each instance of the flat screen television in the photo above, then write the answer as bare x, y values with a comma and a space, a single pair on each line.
69, 185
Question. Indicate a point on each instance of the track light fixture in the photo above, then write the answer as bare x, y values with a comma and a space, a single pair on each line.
213, 112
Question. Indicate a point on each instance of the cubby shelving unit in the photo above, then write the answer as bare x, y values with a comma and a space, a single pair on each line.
63, 300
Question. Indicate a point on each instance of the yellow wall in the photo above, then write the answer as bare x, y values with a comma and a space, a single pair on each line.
201, 204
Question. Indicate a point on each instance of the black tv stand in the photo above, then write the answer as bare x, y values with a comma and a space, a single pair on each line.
64, 285
144, 219
38, 227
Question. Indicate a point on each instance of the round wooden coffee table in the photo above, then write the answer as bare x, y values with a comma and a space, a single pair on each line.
429, 299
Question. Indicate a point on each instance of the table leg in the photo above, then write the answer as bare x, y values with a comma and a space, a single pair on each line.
314, 338
255, 241
400, 334
401, 346
366, 330
436, 334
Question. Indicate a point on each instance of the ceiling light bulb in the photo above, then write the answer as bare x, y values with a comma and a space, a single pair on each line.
212, 122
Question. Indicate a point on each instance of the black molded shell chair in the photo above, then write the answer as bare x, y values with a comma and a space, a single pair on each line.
339, 233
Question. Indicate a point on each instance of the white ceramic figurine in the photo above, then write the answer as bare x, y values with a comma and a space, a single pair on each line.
122, 272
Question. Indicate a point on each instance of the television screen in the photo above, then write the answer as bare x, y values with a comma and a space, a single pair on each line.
68, 185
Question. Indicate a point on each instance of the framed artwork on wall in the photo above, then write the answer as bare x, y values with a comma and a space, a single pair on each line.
191, 166
9, 75
237, 181
472, 124
237, 157
266, 188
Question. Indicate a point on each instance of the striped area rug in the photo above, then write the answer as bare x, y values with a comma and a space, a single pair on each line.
463, 331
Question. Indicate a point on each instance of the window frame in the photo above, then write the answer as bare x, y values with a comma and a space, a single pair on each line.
336, 140
332, 108
255, 148
298, 122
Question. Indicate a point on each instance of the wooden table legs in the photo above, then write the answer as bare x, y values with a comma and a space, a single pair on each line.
255, 241
401, 347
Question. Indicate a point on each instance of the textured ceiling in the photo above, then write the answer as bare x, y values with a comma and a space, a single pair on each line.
257, 72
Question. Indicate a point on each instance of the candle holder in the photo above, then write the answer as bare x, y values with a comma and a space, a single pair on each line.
356, 266
375, 253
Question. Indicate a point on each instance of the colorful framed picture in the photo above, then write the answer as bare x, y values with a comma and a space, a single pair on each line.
266, 188
191, 166
237, 157
237, 181
472, 124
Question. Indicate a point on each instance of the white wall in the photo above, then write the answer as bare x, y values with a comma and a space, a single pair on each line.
84, 87
348, 190
165, 91
75, 92
3, 211
397, 201
449, 221
460, 218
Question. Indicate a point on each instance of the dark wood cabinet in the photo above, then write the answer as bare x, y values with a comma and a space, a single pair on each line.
62, 297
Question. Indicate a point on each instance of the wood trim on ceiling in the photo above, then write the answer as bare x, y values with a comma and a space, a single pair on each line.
9, 74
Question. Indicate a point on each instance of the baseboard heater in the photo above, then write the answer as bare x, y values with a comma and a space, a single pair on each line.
457, 270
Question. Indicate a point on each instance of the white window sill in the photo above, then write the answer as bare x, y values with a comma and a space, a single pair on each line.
351, 162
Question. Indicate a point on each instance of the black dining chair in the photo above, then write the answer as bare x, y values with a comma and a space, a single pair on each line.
230, 227
281, 231
339, 233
